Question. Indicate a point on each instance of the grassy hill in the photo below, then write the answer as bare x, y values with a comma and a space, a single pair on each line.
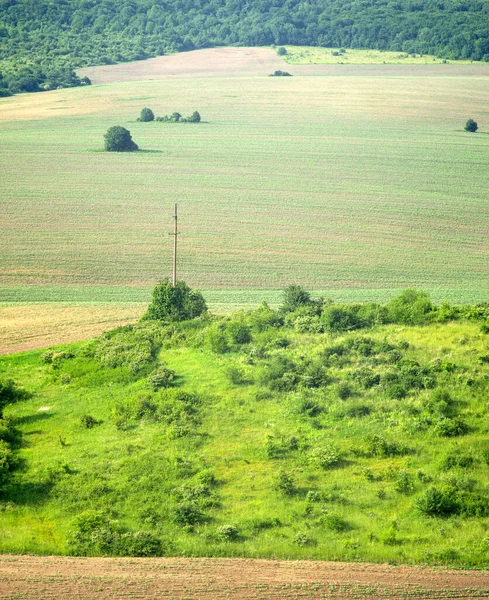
323, 431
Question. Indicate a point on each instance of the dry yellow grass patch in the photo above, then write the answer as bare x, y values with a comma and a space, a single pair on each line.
31, 326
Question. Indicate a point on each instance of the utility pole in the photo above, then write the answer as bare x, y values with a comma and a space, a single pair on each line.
175, 236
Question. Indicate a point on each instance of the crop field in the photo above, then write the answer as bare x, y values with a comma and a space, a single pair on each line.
347, 179
196, 579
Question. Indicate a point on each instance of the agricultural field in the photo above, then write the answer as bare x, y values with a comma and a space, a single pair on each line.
230, 579
354, 180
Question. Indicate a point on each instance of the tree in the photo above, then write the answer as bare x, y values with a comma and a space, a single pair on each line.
177, 303
175, 117
194, 118
281, 51
147, 115
295, 296
118, 139
471, 126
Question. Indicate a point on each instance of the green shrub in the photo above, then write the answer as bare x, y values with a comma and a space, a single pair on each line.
377, 445
175, 304
239, 332
344, 390
281, 51
404, 483
217, 339
236, 375
188, 514
336, 523
162, 378
435, 503
302, 539
447, 427
146, 115
119, 139
326, 457
89, 421
471, 126
411, 307
228, 533
284, 483
10, 393
457, 459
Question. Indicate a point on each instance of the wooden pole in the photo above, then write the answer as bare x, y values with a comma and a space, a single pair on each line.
175, 235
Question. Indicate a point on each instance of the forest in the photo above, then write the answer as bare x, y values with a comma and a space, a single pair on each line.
60, 35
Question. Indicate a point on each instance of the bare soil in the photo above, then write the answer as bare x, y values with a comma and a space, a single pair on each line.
211, 62
256, 62
201, 579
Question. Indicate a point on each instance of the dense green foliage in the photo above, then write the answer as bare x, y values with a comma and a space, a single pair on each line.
317, 430
175, 303
60, 35
471, 126
119, 139
146, 115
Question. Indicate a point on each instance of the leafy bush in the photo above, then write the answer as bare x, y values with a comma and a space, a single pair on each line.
280, 73
240, 332
284, 483
236, 375
404, 483
177, 303
411, 307
457, 459
95, 534
228, 533
293, 297
447, 427
189, 514
281, 51
326, 457
89, 421
471, 126
162, 378
10, 393
344, 390
146, 115
435, 503
217, 339
119, 139
336, 523
377, 445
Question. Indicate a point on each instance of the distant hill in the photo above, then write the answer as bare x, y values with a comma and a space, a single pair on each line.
57, 34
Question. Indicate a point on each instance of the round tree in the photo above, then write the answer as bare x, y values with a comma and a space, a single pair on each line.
471, 126
195, 117
118, 139
147, 115
177, 303
281, 51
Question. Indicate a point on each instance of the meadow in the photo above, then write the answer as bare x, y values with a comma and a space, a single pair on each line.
267, 433
355, 182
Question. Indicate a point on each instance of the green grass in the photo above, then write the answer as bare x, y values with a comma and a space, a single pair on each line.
346, 184
303, 55
133, 473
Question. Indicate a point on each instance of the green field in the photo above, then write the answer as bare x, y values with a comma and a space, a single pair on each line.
280, 443
357, 184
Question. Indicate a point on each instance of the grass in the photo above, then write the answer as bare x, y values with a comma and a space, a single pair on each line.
300, 55
134, 469
346, 184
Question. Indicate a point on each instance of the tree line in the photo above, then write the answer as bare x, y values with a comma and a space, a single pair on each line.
60, 34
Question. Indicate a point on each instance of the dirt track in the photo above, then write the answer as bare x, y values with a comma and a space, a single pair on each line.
204, 579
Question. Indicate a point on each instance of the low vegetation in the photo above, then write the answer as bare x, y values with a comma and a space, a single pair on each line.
321, 430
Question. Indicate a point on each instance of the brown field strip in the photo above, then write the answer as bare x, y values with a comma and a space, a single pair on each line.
177, 578
32, 326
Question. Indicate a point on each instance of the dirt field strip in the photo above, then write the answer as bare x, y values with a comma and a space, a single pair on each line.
31, 326
177, 578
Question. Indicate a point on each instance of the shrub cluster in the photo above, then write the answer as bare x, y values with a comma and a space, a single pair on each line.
148, 115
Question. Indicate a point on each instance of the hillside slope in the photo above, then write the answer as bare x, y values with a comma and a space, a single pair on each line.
264, 434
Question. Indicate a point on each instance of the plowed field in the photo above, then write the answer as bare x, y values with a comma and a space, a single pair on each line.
199, 579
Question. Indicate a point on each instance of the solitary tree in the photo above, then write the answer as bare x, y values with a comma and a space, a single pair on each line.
295, 296
177, 303
471, 126
118, 139
195, 117
147, 115
281, 51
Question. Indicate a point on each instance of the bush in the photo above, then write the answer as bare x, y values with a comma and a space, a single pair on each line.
162, 378
236, 375
10, 393
240, 332
326, 457
194, 117
447, 427
411, 307
284, 483
471, 126
336, 523
228, 533
435, 503
281, 51
88, 421
146, 115
188, 513
293, 297
279, 73
177, 303
119, 139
